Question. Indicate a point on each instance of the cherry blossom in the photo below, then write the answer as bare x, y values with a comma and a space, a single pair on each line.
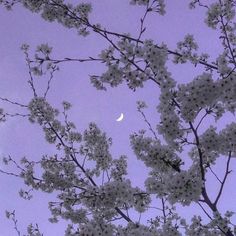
93, 192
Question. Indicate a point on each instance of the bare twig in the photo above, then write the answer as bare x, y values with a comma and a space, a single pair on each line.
13, 102
12, 216
148, 123
204, 210
49, 81
227, 172
215, 174
10, 173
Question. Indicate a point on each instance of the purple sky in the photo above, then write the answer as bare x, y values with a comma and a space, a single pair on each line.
20, 138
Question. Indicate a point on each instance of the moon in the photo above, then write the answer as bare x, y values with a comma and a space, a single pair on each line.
120, 118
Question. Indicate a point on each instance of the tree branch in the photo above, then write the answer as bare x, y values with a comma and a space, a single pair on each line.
227, 172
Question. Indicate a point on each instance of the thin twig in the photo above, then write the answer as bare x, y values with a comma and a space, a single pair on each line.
215, 174
204, 210
13, 102
227, 172
148, 123
9, 173
49, 81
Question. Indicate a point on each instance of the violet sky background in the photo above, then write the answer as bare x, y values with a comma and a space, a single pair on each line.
20, 138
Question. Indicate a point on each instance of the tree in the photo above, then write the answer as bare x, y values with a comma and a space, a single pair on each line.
82, 160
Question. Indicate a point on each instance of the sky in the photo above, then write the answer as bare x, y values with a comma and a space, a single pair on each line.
20, 138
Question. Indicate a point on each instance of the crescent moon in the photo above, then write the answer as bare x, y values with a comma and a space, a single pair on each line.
121, 117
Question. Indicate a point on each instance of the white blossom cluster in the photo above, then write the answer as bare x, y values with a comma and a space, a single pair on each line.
120, 69
159, 157
41, 64
170, 127
41, 111
57, 10
119, 168
44, 114
134, 229
96, 229
168, 229
210, 140
58, 174
33, 230
156, 58
186, 50
96, 147
214, 143
219, 221
227, 88
76, 216
112, 76
139, 2
91, 228
155, 185
28, 175
200, 93
223, 64
183, 187
126, 68
107, 54
114, 194
155, 5
228, 139
217, 10
44, 50
197, 228
67, 15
